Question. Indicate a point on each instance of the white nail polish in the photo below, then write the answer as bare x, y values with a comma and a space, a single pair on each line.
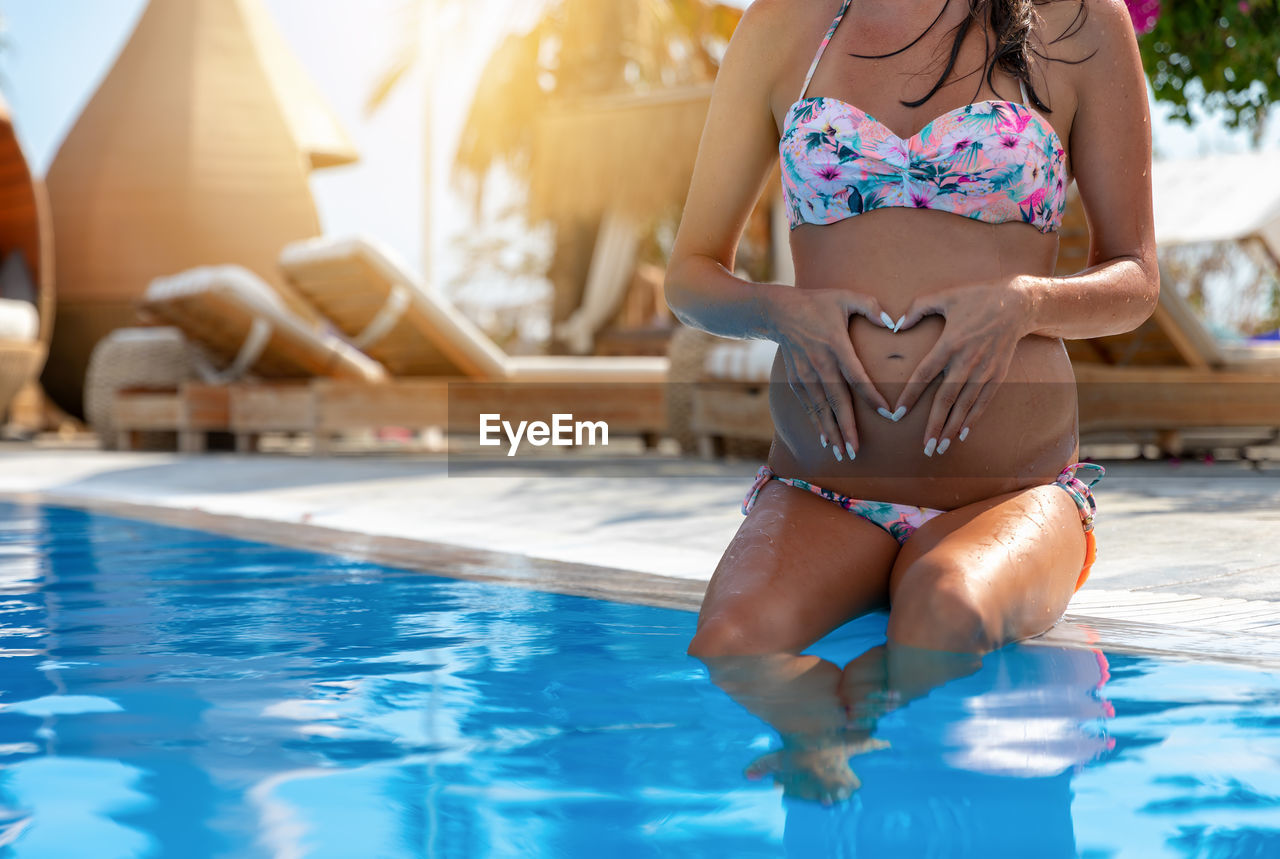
836, 451
886, 319
964, 433
897, 415
885, 413
942, 447
901, 320
822, 437
848, 446
929, 445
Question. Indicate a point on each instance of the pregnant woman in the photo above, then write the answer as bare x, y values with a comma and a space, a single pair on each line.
924, 405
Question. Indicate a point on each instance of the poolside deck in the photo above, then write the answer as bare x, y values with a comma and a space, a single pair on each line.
1188, 550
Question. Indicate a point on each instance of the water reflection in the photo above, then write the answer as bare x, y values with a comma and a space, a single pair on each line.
887, 750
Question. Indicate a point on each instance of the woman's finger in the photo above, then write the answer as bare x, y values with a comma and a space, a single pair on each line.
840, 401
801, 393
980, 404
867, 306
832, 438
926, 371
940, 409
855, 375
927, 305
958, 415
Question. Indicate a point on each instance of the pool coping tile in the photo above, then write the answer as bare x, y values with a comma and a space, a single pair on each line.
1169, 625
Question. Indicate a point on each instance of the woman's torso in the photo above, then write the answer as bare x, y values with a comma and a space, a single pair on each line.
1028, 431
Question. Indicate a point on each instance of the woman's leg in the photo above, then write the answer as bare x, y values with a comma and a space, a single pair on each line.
798, 567
991, 572
966, 582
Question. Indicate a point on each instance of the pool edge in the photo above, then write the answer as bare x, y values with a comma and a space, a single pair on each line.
1107, 631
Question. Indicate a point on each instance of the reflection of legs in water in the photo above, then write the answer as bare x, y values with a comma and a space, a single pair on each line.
964, 583
800, 697
889, 676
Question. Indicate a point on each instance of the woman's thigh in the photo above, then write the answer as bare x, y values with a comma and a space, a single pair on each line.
988, 573
798, 567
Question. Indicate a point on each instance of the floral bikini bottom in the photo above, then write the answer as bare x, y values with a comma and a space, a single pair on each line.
901, 520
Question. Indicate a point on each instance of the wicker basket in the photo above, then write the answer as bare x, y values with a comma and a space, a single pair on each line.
159, 358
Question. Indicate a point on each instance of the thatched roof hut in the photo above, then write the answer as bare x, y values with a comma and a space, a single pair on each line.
25, 227
195, 150
629, 152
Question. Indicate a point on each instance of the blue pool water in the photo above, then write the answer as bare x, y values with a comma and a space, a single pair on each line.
165, 692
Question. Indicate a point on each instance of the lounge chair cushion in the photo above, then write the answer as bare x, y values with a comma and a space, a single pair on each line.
18, 320
740, 360
586, 369
378, 305
240, 320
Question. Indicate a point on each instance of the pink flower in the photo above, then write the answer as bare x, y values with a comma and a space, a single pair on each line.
828, 172
1144, 13
1016, 125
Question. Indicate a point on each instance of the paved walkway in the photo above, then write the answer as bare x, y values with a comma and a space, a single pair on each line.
1192, 544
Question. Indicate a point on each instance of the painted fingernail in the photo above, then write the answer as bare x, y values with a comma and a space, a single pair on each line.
884, 413
886, 319
836, 451
822, 437
901, 320
929, 446
898, 413
848, 447
943, 445
964, 433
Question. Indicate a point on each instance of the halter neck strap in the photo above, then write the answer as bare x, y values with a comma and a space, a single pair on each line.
831, 31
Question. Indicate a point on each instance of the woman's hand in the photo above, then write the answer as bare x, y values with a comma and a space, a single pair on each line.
811, 328
983, 326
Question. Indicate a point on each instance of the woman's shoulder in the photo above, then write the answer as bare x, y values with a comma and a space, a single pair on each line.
775, 38
1070, 29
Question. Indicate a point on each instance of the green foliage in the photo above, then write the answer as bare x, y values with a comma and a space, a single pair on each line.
1231, 46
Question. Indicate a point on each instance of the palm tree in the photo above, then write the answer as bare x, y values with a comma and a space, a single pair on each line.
579, 55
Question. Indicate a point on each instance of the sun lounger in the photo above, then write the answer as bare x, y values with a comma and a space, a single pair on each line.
1172, 374
436, 354
246, 331
242, 322
414, 331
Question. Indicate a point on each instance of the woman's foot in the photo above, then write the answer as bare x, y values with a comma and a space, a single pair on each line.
815, 769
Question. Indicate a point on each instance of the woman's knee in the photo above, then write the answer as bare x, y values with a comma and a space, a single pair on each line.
738, 633
937, 607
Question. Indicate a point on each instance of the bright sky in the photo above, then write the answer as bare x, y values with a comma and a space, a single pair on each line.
382, 194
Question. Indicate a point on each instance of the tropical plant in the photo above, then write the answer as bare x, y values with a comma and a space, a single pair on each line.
1223, 55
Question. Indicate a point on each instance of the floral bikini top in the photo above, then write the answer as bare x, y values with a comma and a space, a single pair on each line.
992, 161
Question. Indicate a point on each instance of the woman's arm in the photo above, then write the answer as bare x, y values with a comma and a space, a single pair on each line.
738, 146
1110, 144
1110, 150
735, 156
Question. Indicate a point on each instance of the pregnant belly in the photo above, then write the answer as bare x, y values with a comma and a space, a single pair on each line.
1024, 437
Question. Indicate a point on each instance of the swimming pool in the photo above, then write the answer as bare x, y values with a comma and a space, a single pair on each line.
168, 692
